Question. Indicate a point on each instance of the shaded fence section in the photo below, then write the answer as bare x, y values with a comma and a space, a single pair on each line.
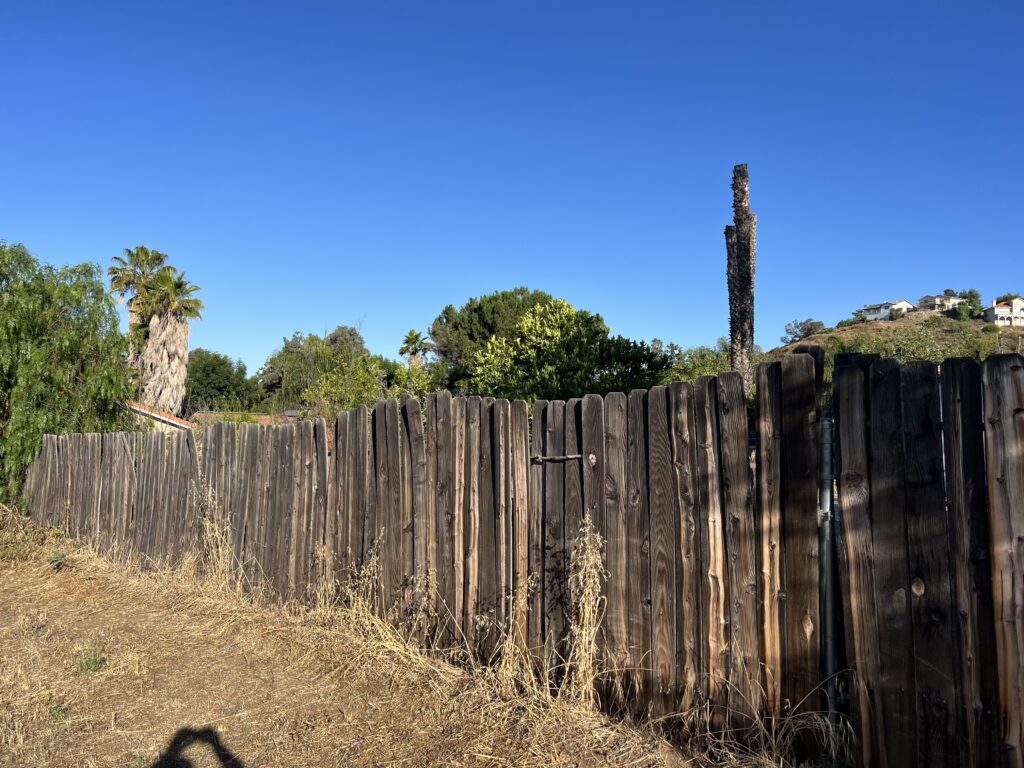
472, 510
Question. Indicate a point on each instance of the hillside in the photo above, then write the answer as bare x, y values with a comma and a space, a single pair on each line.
915, 336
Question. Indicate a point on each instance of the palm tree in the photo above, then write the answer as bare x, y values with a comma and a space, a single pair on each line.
128, 276
416, 346
169, 301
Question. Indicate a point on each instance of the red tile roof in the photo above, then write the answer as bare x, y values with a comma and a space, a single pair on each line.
154, 413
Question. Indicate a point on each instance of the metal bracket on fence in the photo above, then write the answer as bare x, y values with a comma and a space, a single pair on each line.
542, 459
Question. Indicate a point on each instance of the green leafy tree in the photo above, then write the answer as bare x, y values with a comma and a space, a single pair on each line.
303, 359
1007, 297
972, 302
556, 352
693, 362
415, 347
62, 358
798, 330
459, 334
215, 381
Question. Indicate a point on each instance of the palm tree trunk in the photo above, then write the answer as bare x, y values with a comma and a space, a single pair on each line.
164, 363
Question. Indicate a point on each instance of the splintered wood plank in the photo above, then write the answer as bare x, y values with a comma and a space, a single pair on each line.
855, 549
593, 464
487, 593
690, 631
441, 428
745, 695
897, 689
769, 535
1003, 377
616, 619
962, 419
361, 511
394, 520
664, 540
638, 554
298, 553
931, 604
800, 623
536, 531
432, 545
384, 517
456, 608
407, 507
286, 511
471, 521
556, 574
520, 513
715, 598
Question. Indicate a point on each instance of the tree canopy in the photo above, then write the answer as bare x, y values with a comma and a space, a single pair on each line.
798, 330
215, 381
556, 351
62, 358
459, 334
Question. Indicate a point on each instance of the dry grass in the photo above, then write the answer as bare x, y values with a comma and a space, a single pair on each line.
103, 664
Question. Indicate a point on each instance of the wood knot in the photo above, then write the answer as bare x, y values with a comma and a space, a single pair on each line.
917, 587
592, 460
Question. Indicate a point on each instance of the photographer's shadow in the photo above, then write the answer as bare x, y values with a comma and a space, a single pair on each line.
172, 757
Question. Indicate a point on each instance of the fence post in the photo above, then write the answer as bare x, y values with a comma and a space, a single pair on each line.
826, 564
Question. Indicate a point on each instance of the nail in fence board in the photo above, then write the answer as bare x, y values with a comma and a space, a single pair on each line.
638, 553
800, 624
536, 532
663, 543
690, 632
555, 555
962, 420
855, 548
715, 600
738, 512
928, 554
769, 487
616, 620
889, 536
1003, 377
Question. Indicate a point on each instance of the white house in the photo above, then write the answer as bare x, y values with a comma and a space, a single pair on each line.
938, 303
1006, 312
884, 310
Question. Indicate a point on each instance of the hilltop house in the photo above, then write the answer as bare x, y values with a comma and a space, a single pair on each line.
938, 303
884, 310
1006, 312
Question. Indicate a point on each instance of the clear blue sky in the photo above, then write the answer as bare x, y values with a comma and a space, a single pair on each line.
313, 164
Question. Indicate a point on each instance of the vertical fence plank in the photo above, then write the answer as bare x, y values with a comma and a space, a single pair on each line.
503, 507
800, 624
421, 528
520, 513
471, 520
962, 420
431, 531
573, 487
855, 549
769, 487
487, 596
458, 516
339, 520
555, 555
745, 693
441, 429
714, 600
638, 552
664, 540
593, 463
322, 550
889, 541
536, 530
929, 574
690, 633
616, 621
1003, 377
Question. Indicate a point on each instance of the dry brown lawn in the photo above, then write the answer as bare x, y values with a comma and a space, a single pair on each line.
102, 666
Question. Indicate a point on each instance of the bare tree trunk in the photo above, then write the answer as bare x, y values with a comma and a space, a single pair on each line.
741, 252
164, 362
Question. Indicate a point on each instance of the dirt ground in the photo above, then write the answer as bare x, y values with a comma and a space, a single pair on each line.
102, 667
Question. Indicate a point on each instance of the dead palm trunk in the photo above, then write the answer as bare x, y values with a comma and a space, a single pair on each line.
741, 253
164, 363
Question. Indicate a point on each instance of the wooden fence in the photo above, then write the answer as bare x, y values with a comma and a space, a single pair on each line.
474, 510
